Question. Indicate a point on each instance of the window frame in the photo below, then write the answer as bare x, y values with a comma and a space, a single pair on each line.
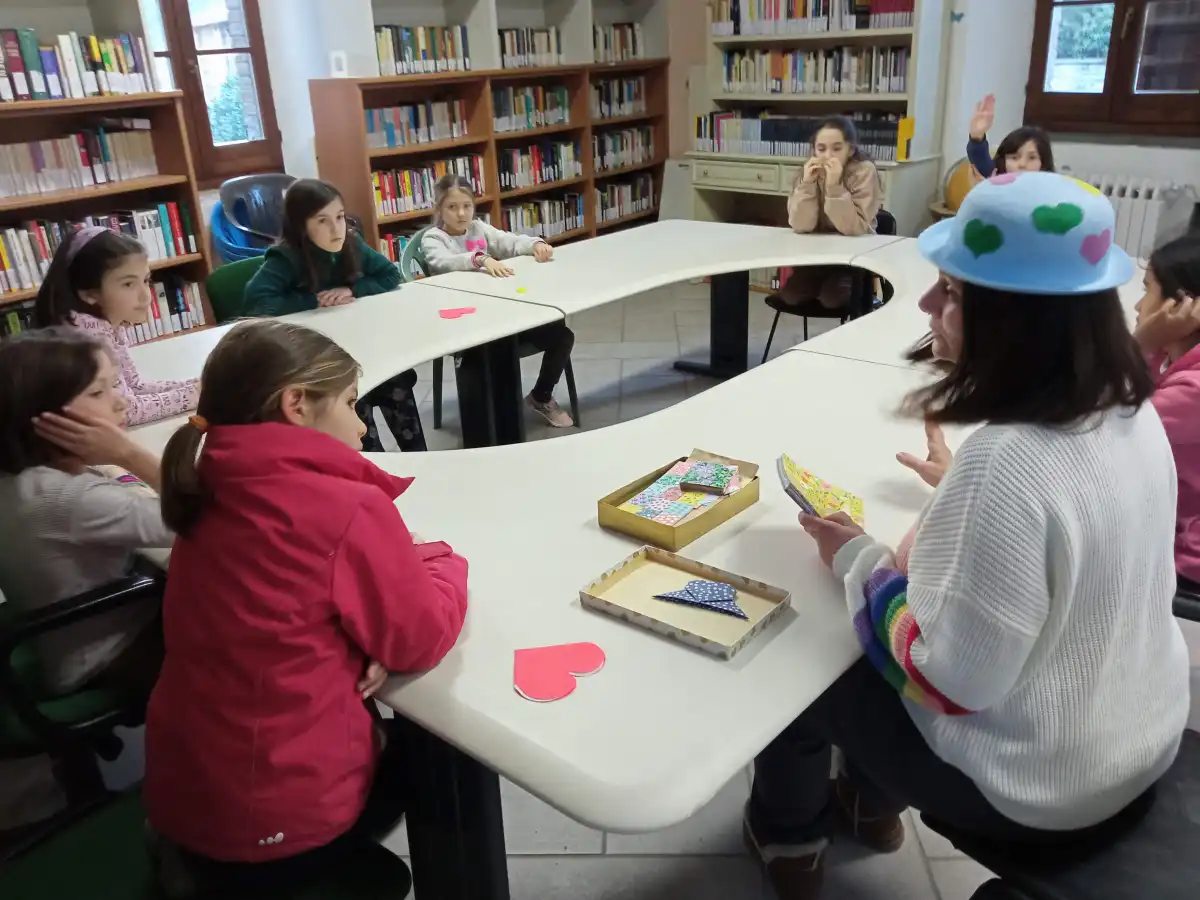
1118, 109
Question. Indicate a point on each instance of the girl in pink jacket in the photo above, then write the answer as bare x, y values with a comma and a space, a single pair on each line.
1168, 330
99, 281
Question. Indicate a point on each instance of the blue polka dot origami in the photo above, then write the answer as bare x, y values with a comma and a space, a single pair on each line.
711, 595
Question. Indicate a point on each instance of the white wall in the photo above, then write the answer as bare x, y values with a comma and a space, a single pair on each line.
299, 36
989, 53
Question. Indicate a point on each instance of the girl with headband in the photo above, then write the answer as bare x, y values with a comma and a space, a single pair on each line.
99, 281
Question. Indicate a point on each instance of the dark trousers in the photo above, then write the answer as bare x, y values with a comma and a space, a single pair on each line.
396, 402
278, 877
555, 341
887, 759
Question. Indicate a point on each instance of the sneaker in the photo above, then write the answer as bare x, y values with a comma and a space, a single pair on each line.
551, 412
883, 834
795, 873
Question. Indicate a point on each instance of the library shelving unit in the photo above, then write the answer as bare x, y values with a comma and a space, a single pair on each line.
346, 156
734, 186
175, 182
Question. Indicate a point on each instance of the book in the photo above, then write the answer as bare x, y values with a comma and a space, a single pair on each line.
408, 190
615, 97
50, 66
412, 50
522, 48
11, 44
618, 198
626, 147
525, 107
31, 56
619, 42
814, 495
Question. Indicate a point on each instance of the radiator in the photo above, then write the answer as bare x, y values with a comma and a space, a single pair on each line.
1149, 212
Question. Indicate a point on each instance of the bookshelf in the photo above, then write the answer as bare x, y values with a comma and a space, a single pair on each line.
175, 182
599, 101
786, 68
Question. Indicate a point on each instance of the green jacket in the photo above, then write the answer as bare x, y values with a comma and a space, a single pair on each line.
275, 289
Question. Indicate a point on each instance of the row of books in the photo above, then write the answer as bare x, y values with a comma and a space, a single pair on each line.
538, 164
618, 97
525, 47
176, 307
618, 43
393, 245
544, 218
80, 160
531, 106
407, 190
618, 199
627, 147
417, 123
791, 136
766, 17
75, 66
833, 70
411, 50
26, 251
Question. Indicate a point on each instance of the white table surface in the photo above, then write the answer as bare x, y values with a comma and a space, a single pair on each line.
653, 736
386, 333
613, 266
885, 335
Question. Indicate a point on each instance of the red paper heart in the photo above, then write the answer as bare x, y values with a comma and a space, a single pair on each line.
456, 313
543, 674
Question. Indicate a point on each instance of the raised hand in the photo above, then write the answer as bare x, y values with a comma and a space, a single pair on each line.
932, 468
983, 118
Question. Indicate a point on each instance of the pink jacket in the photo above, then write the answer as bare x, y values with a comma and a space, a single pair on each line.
1177, 399
149, 401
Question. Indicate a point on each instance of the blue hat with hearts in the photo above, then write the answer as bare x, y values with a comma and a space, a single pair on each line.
1033, 233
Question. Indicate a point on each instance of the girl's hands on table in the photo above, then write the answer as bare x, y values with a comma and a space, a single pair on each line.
831, 534
542, 251
938, 457
339, 296
495, 268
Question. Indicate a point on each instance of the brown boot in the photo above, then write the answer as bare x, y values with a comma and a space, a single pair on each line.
795, 873
883, 834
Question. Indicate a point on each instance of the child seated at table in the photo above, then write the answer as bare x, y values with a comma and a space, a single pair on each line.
459, 242
67, 524
322, 262
295, 589
1026, 149
99, 281
837, 192
1168, 331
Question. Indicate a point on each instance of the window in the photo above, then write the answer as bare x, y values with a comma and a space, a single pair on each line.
1124, 66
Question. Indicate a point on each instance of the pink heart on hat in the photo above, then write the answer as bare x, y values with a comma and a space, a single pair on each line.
1095, 246
1004, 178
456, 313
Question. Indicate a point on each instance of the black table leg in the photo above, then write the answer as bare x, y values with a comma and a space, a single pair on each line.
729, 326
455, 823
490, 402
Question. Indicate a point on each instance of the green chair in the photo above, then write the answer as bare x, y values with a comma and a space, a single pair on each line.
72, 729
226, 288
105, 857
413, 261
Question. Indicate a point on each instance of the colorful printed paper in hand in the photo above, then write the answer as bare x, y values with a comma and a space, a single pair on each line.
816, 496
716, 596
710, 477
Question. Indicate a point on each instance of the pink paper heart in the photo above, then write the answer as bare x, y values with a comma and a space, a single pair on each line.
1004, 178
456, 313
544, 674
1095, 246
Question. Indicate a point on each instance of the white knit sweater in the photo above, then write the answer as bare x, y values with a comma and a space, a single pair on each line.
1041, 581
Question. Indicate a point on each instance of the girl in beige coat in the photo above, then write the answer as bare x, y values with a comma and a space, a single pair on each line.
837, 192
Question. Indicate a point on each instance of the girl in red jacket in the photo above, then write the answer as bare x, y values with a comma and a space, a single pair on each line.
294, 588
1168, 331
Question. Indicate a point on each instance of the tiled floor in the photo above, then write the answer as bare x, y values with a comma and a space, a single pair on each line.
623, 357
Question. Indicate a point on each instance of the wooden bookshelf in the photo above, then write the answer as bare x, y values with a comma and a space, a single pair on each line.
343, 157
176, 181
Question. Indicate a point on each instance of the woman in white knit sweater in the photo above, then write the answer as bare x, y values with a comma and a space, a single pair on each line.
1023, 678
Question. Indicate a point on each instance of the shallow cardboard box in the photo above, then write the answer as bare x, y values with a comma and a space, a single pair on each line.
676, 537
628, 591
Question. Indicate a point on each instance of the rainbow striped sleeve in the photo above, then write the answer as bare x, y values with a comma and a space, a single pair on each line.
887, 631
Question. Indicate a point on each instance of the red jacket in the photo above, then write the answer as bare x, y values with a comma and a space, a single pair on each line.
299, 572
1177, 399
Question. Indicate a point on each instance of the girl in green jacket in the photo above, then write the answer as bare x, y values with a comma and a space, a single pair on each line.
321, 262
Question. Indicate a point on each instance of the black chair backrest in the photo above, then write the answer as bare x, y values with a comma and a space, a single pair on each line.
885, 222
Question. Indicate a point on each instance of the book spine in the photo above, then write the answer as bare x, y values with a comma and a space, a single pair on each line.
177, 235
31, 56
16, 65
50, 67
167, 226
87, 78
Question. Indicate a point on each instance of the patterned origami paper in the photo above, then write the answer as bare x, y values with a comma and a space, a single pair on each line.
813, 493
712, 595
710, 474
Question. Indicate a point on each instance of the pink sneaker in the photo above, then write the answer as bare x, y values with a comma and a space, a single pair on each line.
551, 412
